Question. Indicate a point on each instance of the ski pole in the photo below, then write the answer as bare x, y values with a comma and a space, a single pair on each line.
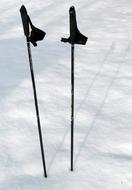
36, 107
75, 38
36, 34
72, 105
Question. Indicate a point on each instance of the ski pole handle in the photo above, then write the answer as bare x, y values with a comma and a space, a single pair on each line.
25, 20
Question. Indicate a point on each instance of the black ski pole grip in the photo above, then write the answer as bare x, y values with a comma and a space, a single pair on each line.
25, 20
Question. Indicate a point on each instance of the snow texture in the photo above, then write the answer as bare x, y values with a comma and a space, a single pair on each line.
103, 97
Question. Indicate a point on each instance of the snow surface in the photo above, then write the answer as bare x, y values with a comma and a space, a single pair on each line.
103, 97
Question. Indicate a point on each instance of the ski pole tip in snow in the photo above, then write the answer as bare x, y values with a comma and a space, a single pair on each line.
45, 175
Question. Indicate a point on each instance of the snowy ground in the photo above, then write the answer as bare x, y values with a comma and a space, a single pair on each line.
103, 96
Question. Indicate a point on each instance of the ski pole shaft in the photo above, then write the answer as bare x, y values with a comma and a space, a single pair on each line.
72, 105
36, 107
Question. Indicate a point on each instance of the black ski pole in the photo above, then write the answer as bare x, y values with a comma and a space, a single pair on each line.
36, 107
72, 105
36, 34
75, 38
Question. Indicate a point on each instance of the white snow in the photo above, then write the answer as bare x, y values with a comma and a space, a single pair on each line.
103, 97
